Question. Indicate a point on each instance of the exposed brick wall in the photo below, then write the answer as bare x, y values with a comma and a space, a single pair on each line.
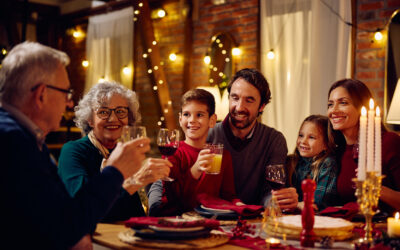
240, 19
237, 17
370, 55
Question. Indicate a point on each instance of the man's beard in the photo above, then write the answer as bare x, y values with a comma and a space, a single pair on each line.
241, 124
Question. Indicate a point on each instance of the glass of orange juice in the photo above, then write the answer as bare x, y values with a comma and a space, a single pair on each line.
217, 150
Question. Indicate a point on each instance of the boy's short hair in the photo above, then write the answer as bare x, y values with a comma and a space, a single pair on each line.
202, 96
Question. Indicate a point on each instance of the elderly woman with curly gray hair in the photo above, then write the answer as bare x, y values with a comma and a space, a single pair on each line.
101, 115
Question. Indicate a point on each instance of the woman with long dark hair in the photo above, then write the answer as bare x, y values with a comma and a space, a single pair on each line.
345, 99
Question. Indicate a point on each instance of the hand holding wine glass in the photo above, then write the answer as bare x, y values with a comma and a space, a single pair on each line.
285, 198
168, 143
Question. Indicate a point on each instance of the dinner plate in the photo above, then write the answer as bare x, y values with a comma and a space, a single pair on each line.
220, 216
214, 210
148, 233
378, 217
175, 229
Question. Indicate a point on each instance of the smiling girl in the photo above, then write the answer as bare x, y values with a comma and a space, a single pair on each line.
313, 158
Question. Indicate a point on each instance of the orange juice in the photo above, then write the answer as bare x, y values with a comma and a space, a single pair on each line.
215, 165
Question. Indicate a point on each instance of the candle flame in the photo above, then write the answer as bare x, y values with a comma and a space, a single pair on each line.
378, 111
396, 216
371, 104
272, 241
363, 111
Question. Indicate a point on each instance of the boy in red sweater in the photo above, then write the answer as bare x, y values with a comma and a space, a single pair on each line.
191, 160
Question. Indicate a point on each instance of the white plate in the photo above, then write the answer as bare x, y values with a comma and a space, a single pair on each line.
175, 229
179, 220
216, 210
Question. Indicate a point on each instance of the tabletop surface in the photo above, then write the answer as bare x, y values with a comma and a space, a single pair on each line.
107, 235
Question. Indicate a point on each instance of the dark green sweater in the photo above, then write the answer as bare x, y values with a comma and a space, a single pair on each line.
79, 162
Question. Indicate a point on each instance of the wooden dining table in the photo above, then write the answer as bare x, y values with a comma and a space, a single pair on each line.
107, 235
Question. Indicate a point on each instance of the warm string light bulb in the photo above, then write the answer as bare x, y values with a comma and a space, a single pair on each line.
207, 59
85, 63
271, 54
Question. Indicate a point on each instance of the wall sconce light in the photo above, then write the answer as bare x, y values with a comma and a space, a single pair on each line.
378, 36
393, 116
127, 70
271, 54
158, 13
236, 51
172, 57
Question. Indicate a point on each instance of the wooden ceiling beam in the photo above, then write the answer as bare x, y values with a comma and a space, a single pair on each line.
154, 60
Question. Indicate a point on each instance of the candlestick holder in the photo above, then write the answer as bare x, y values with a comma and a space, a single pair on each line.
367, 193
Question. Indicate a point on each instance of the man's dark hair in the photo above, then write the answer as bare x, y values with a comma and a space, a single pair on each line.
202, 96
255, 78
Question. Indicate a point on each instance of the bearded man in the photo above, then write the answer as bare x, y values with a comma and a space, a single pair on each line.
253, 145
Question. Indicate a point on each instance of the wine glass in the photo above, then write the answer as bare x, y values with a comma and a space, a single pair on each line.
276, 175
130, 133
168, 143
133, 132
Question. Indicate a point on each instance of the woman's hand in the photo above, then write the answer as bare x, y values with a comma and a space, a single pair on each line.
152, 170
203, 163
390, 197
287, 198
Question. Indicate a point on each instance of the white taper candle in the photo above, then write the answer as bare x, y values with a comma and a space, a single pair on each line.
362, 145
370, 137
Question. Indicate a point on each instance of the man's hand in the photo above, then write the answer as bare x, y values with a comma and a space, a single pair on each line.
153, 170
287, 197
127, 157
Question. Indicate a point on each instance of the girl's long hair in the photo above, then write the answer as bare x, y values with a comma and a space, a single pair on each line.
322, 123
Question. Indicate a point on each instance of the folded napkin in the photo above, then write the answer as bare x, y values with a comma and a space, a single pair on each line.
217, 203
144, 222
348, 211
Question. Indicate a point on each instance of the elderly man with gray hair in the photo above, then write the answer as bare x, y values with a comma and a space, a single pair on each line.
37, 210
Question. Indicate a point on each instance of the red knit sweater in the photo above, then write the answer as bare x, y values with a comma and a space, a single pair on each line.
390, 168
179, 196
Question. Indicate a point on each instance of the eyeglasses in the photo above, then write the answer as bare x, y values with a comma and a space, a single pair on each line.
105, 113
69, 92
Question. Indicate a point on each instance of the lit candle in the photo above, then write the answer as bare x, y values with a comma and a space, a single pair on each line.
393, 226
272, 242
362, 145
370, 137
378, 144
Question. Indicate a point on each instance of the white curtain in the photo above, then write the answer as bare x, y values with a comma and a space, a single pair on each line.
312, 50
109, 48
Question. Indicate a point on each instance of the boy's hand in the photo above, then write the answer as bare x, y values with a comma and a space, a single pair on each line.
203, 163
